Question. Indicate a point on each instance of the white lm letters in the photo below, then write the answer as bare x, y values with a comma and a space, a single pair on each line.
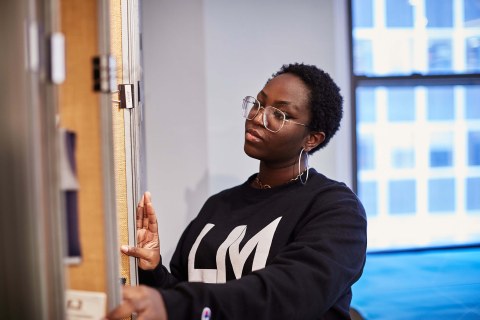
262, 241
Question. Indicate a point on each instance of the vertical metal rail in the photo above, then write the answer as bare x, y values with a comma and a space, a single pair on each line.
31, 232
133, 125
111, 225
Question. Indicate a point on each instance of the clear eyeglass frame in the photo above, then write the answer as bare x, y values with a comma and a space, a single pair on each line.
251, 107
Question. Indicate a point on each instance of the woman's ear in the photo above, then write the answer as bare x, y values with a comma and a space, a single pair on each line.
313, 140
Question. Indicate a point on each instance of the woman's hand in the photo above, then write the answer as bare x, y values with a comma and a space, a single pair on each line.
146, 302
148, 242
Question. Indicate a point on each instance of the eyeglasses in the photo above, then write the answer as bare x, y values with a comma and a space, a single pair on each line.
273, 118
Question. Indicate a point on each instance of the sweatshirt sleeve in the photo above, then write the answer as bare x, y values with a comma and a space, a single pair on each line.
158, 277
303, 281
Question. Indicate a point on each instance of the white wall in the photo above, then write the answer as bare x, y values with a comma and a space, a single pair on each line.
200, 60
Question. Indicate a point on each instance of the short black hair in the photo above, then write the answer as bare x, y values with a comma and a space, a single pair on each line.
326, 102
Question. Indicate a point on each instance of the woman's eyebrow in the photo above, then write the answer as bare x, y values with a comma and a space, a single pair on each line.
277, 102
283, 103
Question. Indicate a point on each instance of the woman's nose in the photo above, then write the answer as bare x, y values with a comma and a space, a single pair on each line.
259, 117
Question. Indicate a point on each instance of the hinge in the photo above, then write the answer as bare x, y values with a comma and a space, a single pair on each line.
104, 74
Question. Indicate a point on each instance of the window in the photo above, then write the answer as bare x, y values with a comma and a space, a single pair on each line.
474, 148
471, 13
441, 195
472, 98
367, 190
399, 14
439, 13
402, 197
416, 85
473, 190
441, 149
440, 103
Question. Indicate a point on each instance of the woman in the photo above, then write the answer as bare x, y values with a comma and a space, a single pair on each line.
287, 244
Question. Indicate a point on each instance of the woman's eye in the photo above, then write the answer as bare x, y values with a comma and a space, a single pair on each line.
278, 114
284, 114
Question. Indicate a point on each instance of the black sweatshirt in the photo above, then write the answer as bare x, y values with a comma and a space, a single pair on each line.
290, 252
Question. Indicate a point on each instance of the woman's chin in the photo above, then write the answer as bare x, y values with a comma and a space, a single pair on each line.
251, 152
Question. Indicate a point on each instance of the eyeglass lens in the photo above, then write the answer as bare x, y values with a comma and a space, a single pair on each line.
273, 119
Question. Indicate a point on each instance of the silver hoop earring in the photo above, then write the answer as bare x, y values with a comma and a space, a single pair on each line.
300, 166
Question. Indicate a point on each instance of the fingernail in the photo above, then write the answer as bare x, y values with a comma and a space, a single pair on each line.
124, 248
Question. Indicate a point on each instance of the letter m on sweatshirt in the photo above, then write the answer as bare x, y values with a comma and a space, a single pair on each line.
262, 241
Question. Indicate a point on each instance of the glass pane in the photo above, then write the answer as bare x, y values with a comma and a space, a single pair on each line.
404, 37
418, 163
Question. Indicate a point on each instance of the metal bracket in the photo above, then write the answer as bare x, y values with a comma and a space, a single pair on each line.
104, 74
126, 95
57, 58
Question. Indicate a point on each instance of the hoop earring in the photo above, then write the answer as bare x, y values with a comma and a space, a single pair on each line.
300, 166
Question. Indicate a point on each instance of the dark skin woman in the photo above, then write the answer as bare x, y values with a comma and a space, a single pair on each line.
288, 243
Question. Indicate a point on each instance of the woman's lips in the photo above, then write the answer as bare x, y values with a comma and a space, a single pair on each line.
252, 135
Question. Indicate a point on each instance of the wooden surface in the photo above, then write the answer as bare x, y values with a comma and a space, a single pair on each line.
119, 138
79, 111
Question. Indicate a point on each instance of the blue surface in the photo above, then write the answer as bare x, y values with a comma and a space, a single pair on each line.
437, 284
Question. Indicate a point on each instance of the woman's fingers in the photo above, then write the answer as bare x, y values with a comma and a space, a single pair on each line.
135, 299
139, 212
136, 252
124, 310
149, 214
147, 247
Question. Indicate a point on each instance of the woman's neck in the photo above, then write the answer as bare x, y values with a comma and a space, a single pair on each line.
269, 177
